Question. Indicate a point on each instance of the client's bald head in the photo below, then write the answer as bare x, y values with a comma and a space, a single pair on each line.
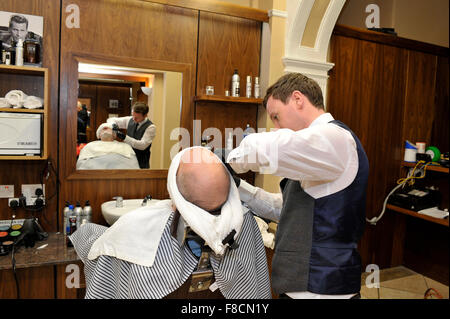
202, 179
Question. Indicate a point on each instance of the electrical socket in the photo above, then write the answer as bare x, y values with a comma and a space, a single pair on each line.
11, 199
29, 191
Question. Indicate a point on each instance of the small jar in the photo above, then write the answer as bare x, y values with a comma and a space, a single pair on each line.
31, 51
210, 90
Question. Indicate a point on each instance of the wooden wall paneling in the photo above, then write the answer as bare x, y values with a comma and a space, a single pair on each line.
28, 172
225, 44
100, 191
220, 7
420, 97
164, 36
64, 292
226, 115
34, 283
365, 92
388, 87
441, 137
107, 92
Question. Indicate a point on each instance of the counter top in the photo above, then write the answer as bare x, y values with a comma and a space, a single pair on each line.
55, 253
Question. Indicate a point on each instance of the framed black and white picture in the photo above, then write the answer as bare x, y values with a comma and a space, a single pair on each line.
28, 28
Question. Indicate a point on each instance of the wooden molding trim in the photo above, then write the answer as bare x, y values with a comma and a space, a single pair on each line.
219, 7
389, 39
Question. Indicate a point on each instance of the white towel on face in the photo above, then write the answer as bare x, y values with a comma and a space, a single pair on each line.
213, 229
101, 127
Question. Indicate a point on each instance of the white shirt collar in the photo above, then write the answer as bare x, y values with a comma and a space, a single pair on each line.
140, 123
322, 119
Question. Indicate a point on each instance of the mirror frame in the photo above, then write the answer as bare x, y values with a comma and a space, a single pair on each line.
67, 154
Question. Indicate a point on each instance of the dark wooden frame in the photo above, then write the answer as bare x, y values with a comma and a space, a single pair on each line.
70, 96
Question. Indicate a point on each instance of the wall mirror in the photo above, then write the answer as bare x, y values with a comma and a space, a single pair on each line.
124, 79
109, 91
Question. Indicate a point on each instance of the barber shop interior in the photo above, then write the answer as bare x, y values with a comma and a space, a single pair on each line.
224, 149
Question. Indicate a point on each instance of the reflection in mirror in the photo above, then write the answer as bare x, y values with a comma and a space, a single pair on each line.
125, 116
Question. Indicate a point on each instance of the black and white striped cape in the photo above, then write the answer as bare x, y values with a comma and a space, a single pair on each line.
240, 274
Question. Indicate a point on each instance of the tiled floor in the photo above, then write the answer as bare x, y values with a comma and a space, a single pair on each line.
401, 283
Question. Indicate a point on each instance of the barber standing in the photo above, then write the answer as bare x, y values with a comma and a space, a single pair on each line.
321, 211
140, 132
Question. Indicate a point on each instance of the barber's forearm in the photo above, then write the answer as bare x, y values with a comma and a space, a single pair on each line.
306, 155
136, 144
122, 122
145, 141
262, 203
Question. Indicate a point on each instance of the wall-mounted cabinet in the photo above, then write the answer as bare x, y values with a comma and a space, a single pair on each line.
32, 81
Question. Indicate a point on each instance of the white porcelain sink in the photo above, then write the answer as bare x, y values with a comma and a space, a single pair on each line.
111, 213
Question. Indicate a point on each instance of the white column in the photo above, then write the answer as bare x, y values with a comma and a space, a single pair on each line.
310, 61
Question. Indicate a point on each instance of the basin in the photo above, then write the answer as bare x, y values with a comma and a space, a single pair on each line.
111, 213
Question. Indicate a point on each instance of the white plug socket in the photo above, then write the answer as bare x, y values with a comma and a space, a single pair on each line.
29, 191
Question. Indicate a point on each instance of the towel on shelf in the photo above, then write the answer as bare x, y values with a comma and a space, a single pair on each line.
18, 99
4, 103
15, 98
33, 102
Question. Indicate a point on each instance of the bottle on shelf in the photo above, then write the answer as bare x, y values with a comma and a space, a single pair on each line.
19, 53
248, 88
257, 90
66, 213
87, 213
78, 212
235, 86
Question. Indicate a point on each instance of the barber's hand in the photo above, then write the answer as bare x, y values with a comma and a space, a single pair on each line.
223, 157
119, 133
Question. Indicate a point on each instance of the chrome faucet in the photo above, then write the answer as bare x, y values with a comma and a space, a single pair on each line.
119, 201
147, 198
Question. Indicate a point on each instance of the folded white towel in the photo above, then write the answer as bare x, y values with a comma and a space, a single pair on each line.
4, 103
33, 102
213, 229
16, 98
135, 236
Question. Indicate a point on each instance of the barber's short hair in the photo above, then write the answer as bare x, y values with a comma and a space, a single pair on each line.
18, 19
140, 107
287, 84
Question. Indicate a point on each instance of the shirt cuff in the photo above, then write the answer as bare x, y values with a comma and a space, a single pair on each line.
246, 191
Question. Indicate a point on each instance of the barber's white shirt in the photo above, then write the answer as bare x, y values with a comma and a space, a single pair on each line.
323, 157
146, 139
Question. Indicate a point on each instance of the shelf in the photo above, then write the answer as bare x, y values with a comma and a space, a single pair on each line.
22, 69
412, 213
433, 167
11, 110
227, 99
20, 157
32, 81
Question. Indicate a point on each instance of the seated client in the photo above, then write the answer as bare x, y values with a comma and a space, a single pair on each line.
152, 251
107, 153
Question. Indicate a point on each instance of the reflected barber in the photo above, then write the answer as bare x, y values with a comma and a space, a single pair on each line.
140, 132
